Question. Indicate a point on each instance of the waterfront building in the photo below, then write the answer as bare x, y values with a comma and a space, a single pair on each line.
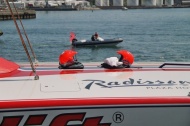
185, 2
102, 2
117, 2
132, 2
169, 2
159, 3
148, 2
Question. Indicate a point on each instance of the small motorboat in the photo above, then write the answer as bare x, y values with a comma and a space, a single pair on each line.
124, 8
98, 42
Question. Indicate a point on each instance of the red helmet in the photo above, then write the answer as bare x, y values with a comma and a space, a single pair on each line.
67, 56
126, 56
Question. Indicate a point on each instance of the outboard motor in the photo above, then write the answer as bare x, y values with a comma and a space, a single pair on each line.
68, 61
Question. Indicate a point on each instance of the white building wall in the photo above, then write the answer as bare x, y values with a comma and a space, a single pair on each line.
105, 2
148, 2
159, 2
117, 2
22, 1
98, 2
169, 2
60, 2
82, 3
132, 2
17, 4
39, 3
102, 2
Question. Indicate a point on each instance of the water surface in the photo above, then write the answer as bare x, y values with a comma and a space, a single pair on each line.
156, 35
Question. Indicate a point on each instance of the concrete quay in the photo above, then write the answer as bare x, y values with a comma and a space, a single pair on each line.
5, 14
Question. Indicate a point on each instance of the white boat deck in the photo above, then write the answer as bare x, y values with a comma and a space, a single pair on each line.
141, 80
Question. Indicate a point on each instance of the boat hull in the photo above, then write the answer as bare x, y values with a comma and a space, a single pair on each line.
96, 115
106, 42
145, 94
59, 8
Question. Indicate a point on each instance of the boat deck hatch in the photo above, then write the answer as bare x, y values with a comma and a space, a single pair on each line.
59, 84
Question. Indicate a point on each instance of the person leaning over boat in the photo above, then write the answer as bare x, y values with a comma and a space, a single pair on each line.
95, 37
73, 37
74, 40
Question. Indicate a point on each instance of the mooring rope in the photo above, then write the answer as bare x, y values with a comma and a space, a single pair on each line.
23, 43
30, 45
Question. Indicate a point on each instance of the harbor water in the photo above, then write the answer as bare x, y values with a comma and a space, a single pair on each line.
152, 35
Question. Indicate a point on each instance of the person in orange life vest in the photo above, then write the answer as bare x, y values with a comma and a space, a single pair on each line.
73, 37
96, 36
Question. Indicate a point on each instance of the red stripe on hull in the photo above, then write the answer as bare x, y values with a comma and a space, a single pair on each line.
93, 102
20, 73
